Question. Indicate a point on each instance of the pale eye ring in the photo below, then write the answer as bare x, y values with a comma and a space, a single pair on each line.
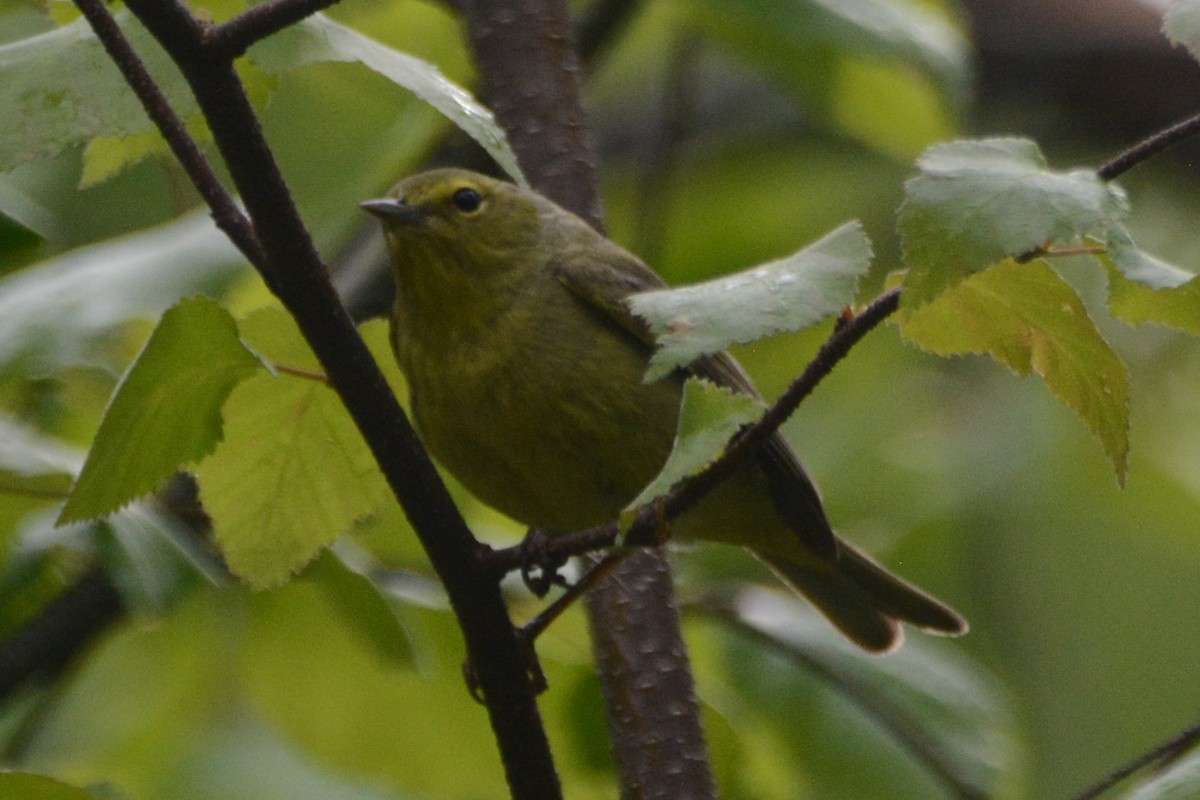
467, 200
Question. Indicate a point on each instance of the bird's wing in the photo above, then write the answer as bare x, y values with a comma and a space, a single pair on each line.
604, 283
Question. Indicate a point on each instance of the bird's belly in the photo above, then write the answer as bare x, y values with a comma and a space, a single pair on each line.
563, 448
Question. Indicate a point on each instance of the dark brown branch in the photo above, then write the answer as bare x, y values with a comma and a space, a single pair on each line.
44, 645
293, 270
234, 37
1149, 147
530, 72
225, 211
1165, 752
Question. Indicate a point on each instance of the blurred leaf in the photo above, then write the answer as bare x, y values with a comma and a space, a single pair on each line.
784, 295
53, 313
166, 412
293, 473
1179, 780
27, 212
106, 156
60, 89
899, 30
708, 417
1027, 318
937, 706
25, 786
977, 202
349, 707
152, 559
35, 465
319, 38
1181, 24
361, 607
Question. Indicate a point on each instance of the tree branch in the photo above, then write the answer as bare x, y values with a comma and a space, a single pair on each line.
530, 72
293, 270
233, 38
225, 212
1149, 147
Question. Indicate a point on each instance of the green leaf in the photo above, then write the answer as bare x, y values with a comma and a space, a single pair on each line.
708, 417
362, 607
60, 89
925, 697
1027, 318
27, 786
909, 32
978, 202
293, 473
1179, 780
1141, 267
57, 312
1136, 304
319, 38
34, 465
784, 295
166, 411
27, 212
1181, 24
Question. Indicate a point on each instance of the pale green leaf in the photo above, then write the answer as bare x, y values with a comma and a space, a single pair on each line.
1027, 318
60, 89
27, 212
978, 202
293, 473
708, 417
166, 412
925, 697
319, 38
1142, 267
784, 295
1181, 24
34, 465
1179, 780
903, 31
54, 313
27, 786
362, 607
1135, 303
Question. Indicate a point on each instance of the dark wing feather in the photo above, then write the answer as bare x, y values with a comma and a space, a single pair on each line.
604, 285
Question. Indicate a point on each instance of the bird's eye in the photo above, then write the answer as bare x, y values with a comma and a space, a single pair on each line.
467, 200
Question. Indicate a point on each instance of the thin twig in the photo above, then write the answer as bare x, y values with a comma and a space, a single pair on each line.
233, 38
228, 217
1149, 147
534, 628
1163, 753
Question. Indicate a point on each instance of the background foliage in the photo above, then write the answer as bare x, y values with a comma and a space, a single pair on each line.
732, 133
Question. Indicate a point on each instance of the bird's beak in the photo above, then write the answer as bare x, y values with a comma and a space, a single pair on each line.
389, 209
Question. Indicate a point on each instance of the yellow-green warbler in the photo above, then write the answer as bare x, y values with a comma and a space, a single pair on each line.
525, 370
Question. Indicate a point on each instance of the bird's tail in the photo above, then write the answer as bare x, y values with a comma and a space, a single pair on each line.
865, 601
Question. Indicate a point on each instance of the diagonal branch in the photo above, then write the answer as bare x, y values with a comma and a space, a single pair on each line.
234, 37
293, 270
228, 217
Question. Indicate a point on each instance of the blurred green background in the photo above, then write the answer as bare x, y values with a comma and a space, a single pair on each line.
727, 136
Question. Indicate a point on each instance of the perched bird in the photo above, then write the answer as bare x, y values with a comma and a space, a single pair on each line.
525, 368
